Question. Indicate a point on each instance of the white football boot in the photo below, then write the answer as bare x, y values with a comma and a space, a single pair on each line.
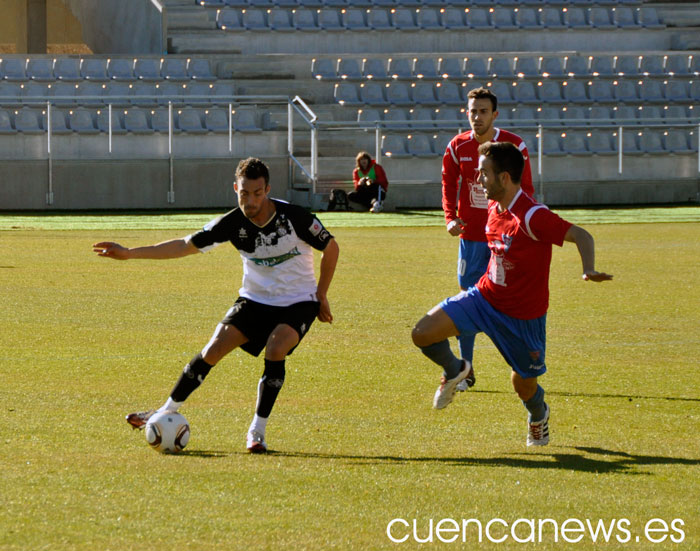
255, 442
538, 432
446, 391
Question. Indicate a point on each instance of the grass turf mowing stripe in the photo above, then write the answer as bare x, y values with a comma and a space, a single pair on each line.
189, 220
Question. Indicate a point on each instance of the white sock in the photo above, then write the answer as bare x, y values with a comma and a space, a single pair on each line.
170, 405
258, 424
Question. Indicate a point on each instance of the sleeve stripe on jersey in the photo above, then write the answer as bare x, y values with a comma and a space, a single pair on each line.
452, 153
522, 146
528, 216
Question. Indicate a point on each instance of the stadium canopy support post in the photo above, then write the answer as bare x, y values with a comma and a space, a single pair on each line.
619, 150
171, 187
378, 143
49, 193
539, 163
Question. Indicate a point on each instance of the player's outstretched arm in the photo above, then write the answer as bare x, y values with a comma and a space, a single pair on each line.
175, 248
329, 260
586, 248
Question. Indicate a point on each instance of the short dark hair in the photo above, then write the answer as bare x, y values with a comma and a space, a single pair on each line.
484, 93
362, 155
506, 158
252, 169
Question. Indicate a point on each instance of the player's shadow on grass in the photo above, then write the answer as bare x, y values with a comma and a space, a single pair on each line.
629, 397
615, 461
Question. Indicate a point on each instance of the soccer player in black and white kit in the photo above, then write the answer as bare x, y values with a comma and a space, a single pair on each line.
279, 299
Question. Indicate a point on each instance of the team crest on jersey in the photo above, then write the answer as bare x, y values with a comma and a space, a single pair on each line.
316, 228
242, 234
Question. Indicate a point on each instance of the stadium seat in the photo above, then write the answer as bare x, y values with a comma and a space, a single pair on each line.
694, 91
375, 69
422, 118
531, 140
501, 67
147, 69
601, 91
90, 93
552, 67
548, 115
677, 141
420, 145
372, 93
478, 18
378, 19
394, 146
67, 69
677, 65
455, 18
448, 114
451, 67
136, 121
574, 116
160, 120
253, 19
34, 93
675, 114
625, 114
652, 65
121, 69
526, 18
398, 93
448, 93
630, 142
524, 92
198, 93
175, 69
190, 120
6, 123
354, 20
676, 90
170, 92
577, 66
429, 19
63, 93
602, 142
527, 67
401, 68
280, 20
423, 93
523, 116
503, 18
575, 142
425, 68
143, 94
304, 19
369, 115
601, 18
441, 141
82, 121
13, 69
626, 91
627, 65
649, 18
329, 19
602, 66
404, 19
476, 67
651, 141
502, 90
94, 69
324, 69
10, 93
384, 3
40, 69
549, 91
229, 20
28, 121
59, 124
200, 69
349, 68
222, 92
651, 90
117, 93
576, 18
551, 143
216, 120
551, 18
650, 114
599, 115
623, 17
574, 91
396, 117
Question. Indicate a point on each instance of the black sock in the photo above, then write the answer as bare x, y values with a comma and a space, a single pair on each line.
269, 387
192, 376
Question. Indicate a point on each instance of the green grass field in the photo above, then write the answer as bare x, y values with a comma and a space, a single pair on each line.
85, 340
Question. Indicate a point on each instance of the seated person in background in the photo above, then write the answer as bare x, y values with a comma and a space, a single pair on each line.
370, 183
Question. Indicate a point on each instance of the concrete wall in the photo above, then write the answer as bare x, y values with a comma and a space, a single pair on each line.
61, 26
123, 27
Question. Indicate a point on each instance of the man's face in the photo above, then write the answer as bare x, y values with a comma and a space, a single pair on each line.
481, 115
494, 187
252, 195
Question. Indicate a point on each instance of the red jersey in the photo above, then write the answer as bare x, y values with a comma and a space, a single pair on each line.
462, 196
520, 239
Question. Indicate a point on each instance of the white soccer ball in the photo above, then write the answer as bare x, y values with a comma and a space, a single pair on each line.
167, 432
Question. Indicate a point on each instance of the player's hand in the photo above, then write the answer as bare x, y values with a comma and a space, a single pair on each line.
324, 312
596, 276
111, 250
456, 227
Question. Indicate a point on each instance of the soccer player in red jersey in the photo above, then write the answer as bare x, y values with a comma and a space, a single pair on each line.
463, 197
509, 302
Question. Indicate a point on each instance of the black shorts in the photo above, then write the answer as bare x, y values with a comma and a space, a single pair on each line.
257, 321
